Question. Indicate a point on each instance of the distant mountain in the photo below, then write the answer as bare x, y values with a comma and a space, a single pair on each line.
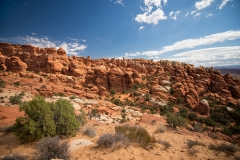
228, 67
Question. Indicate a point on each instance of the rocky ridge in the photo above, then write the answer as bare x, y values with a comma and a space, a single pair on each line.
164, 80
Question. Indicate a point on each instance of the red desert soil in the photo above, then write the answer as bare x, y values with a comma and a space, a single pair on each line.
8, 115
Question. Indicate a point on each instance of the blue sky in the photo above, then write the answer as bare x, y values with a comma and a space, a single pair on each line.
201, 32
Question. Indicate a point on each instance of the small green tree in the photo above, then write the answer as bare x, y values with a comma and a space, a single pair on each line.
44, 119
37, 123
64, 118
176, 120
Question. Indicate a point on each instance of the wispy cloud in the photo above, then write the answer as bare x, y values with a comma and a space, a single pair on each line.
191, 43
84, 40
149, 16
186, 14
197, 14
173, 15
218, 56
165, 2
141, 28
224, 2
71, 46
203, 4
209, 15
118, 2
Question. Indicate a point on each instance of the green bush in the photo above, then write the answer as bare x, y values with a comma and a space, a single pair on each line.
44, 119
219, 117
179, 100
137, 134
192, 116
209, 122
166, 109
2, 83
52, 148
17, 99
16, 84
223, 147
115, 141
147, 97
176, 120
117, 102
183, 112
191, 143
112, 92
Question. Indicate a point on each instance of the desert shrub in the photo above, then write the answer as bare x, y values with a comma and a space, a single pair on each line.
176, 120
160, 129
112, 92
223, 147
198, 128
231, 130
219, 117
90, 131
16, 84
183, 112
192, 151
117, 102
52, 148
166, 109
137, 134
15, 157
191, 143
2, 83
43, 86
147, 97
115, 141
192, 116
17, 99
179, 100
166, 144
44, 119
209, 122
60, 94
81, 118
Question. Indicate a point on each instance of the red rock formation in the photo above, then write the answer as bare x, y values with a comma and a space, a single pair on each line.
203, 107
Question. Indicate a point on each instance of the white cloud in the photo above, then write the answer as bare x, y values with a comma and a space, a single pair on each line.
224, 2
153, 17
197, 14
84, 40
173, 15
207, 57
191, 43
193, 12
186, 14
156, 3
141, 28
71, 47
203, 4
165, 2
119, 2
149, 16
209, 15
132, 54
207, 40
